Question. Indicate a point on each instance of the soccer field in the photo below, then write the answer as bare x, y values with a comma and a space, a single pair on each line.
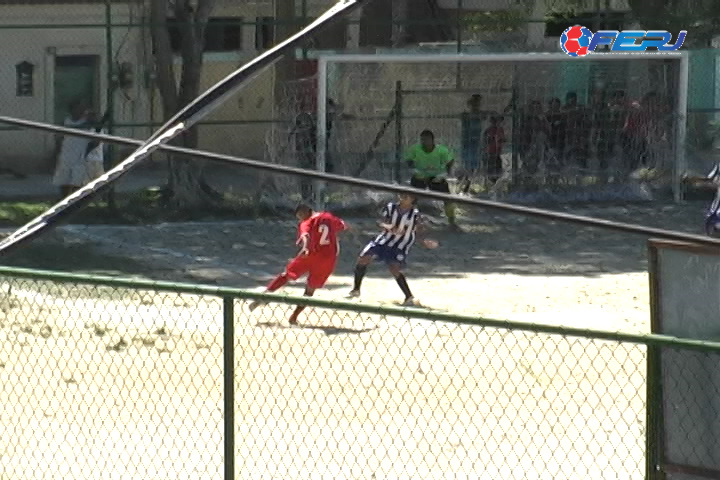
127, 385
504, 266
117, 384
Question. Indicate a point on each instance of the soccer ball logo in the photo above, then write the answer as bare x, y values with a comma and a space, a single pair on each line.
575, 41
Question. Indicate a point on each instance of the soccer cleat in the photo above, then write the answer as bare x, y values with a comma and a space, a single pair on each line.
353, 294
409, 302
255, 304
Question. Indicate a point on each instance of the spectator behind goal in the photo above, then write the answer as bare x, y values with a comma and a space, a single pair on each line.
471, 139
494, 137
431, 164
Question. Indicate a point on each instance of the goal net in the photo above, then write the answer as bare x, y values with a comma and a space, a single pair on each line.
522, 127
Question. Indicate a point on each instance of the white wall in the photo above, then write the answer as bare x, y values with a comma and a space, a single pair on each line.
28, 150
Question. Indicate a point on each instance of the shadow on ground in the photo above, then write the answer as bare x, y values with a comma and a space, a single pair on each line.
248, 254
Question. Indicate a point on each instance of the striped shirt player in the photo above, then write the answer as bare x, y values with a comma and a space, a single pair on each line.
400, 224
393, 245
712, 216
318, 234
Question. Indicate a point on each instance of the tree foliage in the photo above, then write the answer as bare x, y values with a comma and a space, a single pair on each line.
701, 18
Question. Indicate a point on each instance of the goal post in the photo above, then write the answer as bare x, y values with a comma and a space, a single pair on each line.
625, 135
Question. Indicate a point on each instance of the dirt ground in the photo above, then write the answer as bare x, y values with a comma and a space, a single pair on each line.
103, 384
504, 266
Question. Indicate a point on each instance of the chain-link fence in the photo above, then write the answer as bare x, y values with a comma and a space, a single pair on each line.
117, 378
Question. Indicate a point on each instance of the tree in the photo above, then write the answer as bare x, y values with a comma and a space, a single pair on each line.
285, 73
186, 187
701, 18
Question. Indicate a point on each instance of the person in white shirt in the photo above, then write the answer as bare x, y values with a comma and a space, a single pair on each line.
71, 168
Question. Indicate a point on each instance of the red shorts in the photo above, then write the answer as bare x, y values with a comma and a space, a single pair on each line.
318, 267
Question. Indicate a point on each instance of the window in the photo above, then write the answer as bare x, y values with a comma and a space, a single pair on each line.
264, 33
221, 34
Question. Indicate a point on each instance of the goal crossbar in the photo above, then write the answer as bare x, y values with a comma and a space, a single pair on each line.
680, 107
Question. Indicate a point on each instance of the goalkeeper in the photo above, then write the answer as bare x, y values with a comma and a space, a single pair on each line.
431, 164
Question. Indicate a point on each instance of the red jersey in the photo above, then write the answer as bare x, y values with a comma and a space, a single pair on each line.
494, 140
322, 230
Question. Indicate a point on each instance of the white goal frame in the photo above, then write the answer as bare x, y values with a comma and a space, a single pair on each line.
679, 165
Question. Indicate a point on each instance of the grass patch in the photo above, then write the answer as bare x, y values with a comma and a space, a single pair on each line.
19, 213
143, 207
148, 207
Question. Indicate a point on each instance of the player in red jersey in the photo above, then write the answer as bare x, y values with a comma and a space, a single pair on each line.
319, 249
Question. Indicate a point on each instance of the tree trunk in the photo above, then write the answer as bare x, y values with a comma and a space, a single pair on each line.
186, 188
284, 68
400, 10
535, 29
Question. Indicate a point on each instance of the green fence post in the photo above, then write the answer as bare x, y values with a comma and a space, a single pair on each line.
398, 131
229, 385
110, 92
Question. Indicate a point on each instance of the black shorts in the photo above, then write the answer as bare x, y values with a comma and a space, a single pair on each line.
427, 184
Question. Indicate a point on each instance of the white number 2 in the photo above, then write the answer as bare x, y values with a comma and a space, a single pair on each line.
324, 234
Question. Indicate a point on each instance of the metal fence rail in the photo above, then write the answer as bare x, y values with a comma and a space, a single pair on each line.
118, 378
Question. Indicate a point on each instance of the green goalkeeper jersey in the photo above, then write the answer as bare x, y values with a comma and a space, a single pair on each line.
429, 164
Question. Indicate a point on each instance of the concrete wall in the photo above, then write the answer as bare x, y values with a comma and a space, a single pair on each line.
38, 33
27, 150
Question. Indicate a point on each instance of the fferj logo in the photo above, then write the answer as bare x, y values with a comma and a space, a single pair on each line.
578, 41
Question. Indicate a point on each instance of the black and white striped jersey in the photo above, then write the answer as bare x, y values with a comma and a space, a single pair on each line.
714, 176
405, 221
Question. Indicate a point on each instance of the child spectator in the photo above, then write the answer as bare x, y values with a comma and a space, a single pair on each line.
494, 142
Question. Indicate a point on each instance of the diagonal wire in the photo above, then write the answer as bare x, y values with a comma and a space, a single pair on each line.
387, 187
188, 116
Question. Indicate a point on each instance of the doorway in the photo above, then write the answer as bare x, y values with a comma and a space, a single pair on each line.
77, 77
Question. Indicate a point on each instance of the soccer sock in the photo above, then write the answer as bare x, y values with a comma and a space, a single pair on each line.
297, 311
360, 271
277, 282
450, 212
402, 282
300, 308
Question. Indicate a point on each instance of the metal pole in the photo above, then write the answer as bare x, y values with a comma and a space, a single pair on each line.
229, 386
304, 16
653, 390
398, 130
493, 58
681, 129
458, 67
596, 16
110, 90
322, 137
515, 135
458, 19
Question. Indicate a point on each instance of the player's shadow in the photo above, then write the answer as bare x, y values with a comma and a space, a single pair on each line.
330, 331
419, 306
327, 330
